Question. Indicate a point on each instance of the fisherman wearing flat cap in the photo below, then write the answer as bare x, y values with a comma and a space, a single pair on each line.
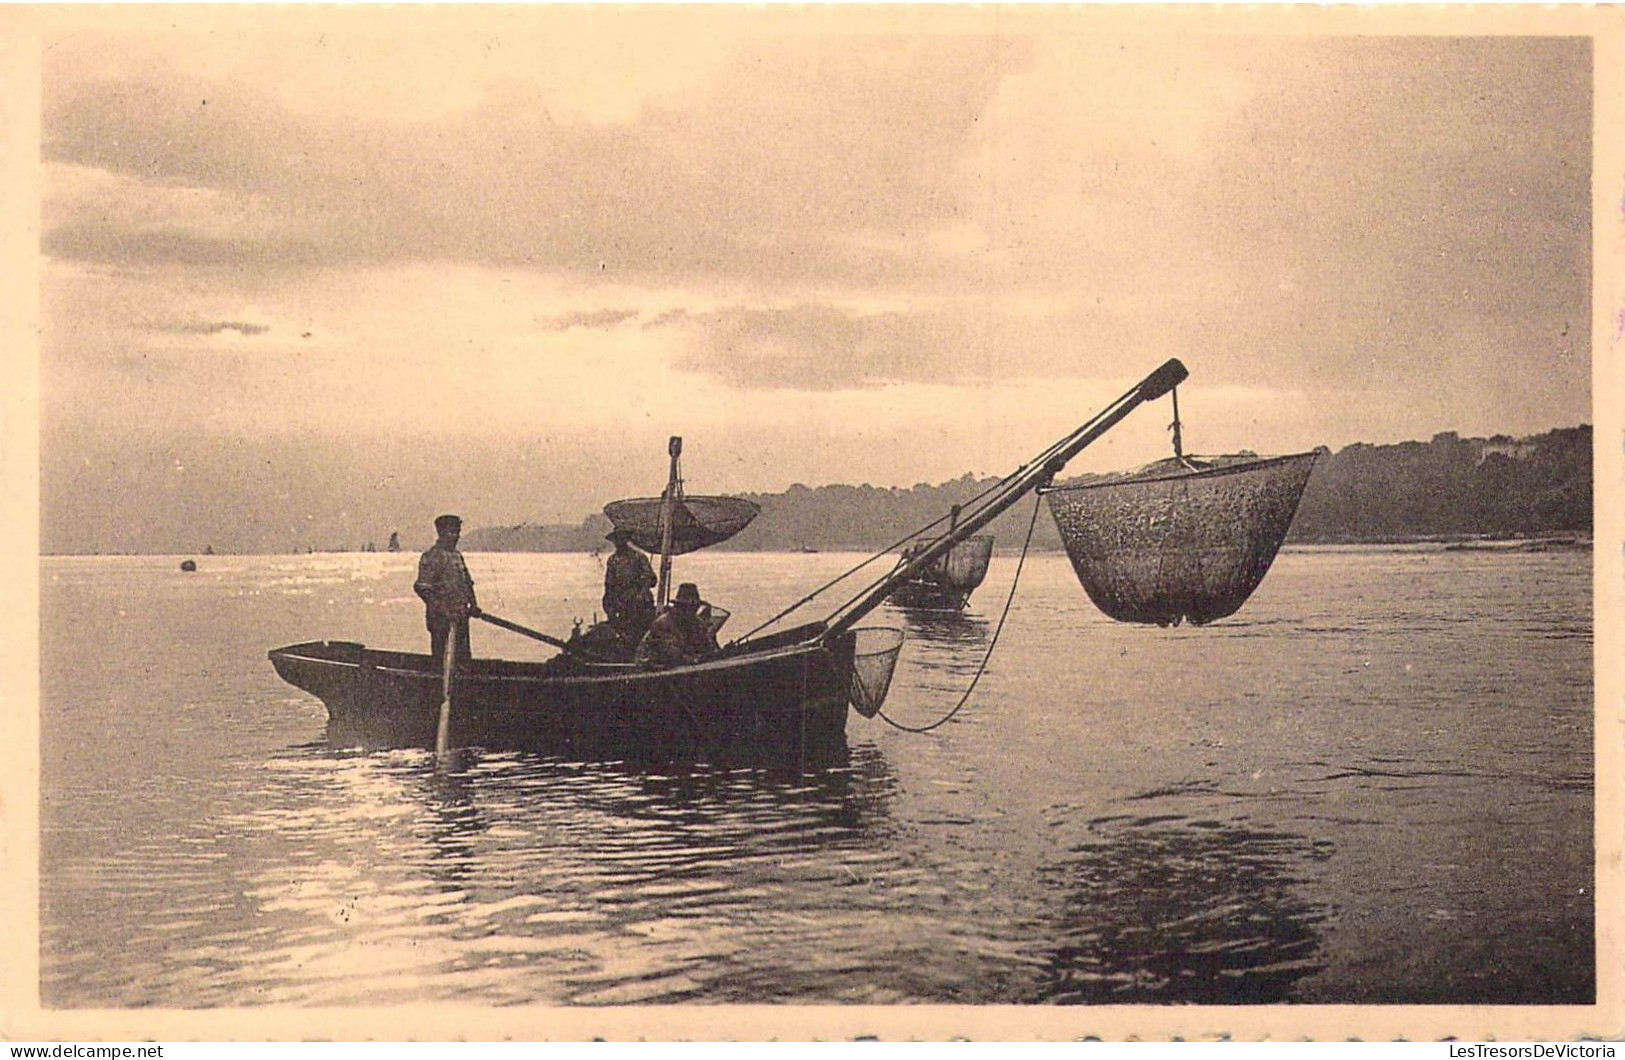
447, 590
629, 581
682, 632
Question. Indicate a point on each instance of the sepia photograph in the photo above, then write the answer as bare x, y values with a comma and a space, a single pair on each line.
554, 522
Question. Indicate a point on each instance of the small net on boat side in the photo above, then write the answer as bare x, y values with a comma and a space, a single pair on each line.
874, 658
1175, 542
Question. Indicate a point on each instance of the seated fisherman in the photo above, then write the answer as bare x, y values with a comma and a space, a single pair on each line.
681, 633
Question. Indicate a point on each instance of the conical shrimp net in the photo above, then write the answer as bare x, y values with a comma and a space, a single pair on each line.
874, 658
1172, 544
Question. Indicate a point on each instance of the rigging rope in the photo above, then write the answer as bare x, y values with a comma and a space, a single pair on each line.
980, 670
888, 550
1005, 492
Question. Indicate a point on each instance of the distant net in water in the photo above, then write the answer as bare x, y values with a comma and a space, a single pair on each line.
1175, 542
874, 658
965, 565
948, 582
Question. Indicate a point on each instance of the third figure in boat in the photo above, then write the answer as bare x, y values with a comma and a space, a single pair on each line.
681, 634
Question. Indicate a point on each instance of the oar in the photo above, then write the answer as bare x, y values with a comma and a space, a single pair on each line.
524, 632
443, 736
562, 645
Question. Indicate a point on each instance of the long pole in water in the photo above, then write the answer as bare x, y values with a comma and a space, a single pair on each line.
443, 736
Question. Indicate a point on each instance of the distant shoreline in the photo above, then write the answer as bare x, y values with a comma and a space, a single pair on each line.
1454, 543
1449, 489
1547, 542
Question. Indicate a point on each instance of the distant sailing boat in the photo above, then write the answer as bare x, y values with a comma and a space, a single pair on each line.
394, 542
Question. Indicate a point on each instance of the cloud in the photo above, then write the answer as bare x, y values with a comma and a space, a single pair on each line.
805, 347
1257, 195
822, 346
216, 327
597, 318
785, 235
773, 169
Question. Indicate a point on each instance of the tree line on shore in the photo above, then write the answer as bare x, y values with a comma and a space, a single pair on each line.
1447, 488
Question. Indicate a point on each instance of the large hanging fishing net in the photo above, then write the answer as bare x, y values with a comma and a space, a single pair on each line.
1179, 540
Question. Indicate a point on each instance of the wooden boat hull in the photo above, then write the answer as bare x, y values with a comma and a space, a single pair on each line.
1171, 544
784, 705
947, 584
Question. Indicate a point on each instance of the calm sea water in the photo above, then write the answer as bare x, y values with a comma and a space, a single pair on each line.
1374, 784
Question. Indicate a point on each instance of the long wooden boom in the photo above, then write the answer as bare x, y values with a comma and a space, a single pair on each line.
1030, 476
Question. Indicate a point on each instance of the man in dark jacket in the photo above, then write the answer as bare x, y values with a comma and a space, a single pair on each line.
629, 582
447, 590
681, 633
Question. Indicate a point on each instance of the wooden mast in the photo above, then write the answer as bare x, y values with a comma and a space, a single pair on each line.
668, 506
1179, 445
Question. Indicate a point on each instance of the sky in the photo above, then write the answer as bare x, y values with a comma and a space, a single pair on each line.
308, 279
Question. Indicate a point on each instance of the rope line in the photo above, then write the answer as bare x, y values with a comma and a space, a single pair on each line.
980, 670
888, 550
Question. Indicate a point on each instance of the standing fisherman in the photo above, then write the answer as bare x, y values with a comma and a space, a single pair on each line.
446, 589
629, 583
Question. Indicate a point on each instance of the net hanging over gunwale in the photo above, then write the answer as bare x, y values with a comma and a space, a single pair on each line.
874, 659
1179, 540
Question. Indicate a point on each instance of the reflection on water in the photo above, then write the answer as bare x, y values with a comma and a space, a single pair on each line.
1170, 909
1334, 797
453, 822
509, 878
945, 627
945, 644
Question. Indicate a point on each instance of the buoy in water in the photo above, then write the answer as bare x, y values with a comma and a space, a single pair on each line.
188, 565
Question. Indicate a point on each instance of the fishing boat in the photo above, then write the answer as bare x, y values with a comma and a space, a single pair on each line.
773, 697
947, 584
